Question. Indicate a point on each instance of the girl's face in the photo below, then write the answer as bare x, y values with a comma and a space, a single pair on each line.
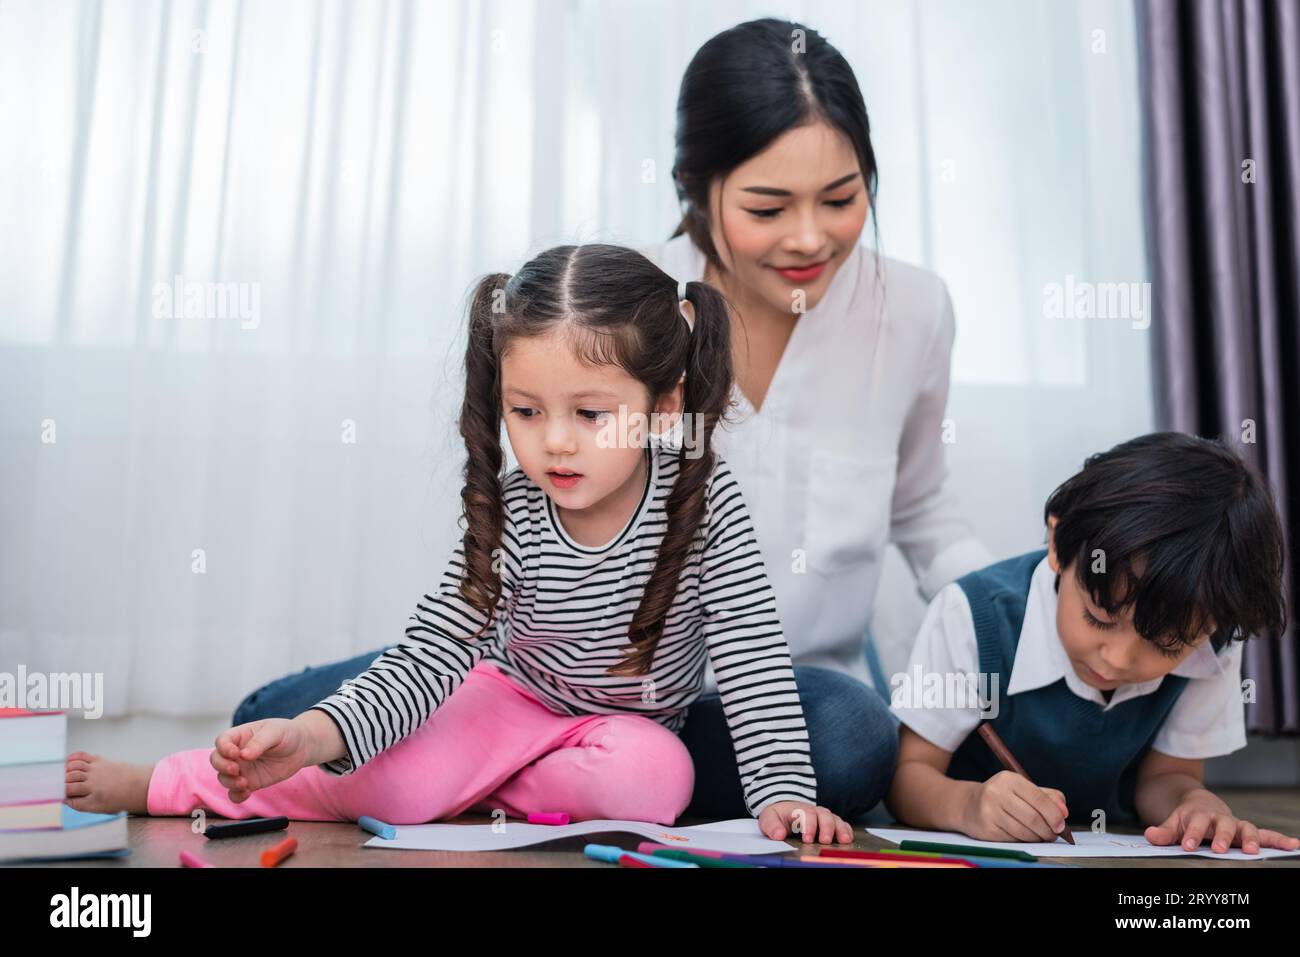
786, 219
579, 431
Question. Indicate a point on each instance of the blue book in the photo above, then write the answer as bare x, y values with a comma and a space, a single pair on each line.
83, 835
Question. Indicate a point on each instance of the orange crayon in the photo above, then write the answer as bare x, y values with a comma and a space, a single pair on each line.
274, 855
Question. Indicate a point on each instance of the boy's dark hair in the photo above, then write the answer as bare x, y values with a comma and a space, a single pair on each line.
1189, 535
615, 307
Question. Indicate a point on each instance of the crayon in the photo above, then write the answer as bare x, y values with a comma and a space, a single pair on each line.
377, 827
274, 855
252, 825
548, 817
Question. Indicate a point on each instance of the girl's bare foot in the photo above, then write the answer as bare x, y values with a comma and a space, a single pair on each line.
106, 787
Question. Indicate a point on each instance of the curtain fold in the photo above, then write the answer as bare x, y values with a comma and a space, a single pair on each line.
1221, 108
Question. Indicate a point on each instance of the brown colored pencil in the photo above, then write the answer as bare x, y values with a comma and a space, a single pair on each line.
1003, 754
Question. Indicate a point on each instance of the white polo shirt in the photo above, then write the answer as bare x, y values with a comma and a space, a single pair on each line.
1207, 720
846, 453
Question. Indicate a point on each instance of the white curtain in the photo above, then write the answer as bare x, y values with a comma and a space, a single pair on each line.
203, 492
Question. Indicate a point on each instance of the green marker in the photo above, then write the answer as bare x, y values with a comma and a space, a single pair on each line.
966, 851
978, 861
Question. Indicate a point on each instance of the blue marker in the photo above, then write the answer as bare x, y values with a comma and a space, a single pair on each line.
610, 855
378, 827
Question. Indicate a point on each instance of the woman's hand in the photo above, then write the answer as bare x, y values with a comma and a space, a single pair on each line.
795, 817
1203, 815
259, 754
1010, 807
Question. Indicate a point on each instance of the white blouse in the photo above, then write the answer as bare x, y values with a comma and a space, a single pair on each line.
847, 453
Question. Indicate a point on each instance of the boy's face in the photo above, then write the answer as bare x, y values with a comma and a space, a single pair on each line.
564, 416
1106, 651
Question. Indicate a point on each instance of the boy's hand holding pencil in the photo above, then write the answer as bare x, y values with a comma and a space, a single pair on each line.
1018, 807
1010, 807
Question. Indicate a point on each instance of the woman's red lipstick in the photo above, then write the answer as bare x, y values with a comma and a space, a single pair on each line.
804, 274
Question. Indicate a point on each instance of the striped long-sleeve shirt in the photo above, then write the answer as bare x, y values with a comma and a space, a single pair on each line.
563, 619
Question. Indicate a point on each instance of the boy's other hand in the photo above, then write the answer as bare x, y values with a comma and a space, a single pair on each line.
1010, 807
259, 754
1204, 816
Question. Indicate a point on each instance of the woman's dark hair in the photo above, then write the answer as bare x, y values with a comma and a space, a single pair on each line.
743, 89
615, 307
1187, 534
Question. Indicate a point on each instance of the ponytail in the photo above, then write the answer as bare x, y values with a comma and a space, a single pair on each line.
706, 395
482, 495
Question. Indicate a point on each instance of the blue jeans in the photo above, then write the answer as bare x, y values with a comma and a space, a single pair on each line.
851, 732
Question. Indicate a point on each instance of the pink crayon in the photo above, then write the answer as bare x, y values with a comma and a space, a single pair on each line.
193, 860
548, 817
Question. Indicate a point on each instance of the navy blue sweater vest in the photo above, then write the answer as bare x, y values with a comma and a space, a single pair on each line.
1062, 741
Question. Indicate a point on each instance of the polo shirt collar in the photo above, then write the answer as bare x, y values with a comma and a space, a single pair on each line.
1041, 659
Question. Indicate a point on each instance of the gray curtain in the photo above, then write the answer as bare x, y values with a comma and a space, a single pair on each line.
1221, 140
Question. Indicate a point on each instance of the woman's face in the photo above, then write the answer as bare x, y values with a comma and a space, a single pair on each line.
784, 221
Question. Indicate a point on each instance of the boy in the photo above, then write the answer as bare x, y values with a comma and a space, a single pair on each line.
1110, 663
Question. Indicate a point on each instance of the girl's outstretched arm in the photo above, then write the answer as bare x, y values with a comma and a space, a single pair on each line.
407, 683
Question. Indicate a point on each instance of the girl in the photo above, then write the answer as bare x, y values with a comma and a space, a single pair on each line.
551, 668
840, 389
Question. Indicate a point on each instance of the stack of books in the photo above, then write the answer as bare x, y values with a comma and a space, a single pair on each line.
35, 824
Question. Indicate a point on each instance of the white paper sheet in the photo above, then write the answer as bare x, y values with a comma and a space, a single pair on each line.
740, 836
1089, 844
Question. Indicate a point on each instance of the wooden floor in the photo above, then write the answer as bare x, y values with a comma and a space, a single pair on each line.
157, 842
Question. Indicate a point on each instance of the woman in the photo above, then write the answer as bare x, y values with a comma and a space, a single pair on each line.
840, 392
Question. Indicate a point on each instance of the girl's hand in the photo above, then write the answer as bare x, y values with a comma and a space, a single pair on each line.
259, 754
814, 823
1204, 815
1010, 807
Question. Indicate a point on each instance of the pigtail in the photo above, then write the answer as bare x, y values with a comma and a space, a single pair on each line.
707, 395
482, 496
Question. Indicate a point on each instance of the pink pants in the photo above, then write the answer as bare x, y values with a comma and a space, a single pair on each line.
491, 745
